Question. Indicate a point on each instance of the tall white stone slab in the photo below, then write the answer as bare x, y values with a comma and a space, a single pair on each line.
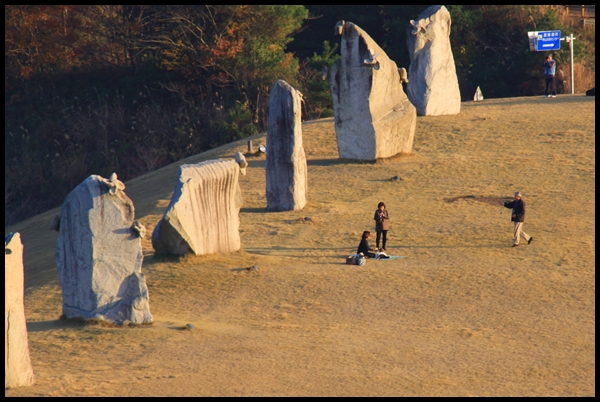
286, 170
99, 255
17, 364
203, 216
432, 81
373, 117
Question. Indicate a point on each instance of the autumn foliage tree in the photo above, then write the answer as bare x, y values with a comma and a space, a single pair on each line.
129, 88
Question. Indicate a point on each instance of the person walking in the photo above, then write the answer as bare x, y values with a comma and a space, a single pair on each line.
518, 217
382, 225
549, 72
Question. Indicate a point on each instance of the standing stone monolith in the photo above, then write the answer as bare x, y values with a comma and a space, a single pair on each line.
373, 117
17, 364
99, 254
203, 216
433, 84
286, 170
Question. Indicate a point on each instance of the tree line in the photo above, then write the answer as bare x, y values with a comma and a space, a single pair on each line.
96, 89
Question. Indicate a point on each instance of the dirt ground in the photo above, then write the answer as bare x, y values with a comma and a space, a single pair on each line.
463, 314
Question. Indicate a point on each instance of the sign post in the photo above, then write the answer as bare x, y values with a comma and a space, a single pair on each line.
543, 41
570, 39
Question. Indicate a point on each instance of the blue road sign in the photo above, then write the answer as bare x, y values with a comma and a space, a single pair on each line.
544, 41
548, 40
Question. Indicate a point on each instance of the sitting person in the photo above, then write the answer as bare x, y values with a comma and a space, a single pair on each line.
363, 247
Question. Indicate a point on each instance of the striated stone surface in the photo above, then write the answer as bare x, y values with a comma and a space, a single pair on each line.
99, 255
17, 364
373, 117
433, 84
286, 170
203, 215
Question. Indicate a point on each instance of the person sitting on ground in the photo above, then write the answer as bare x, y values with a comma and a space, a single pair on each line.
364, 248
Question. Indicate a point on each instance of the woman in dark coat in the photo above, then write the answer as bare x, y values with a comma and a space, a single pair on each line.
382, 225
364, 248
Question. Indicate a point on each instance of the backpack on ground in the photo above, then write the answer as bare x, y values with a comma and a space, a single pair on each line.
356, 259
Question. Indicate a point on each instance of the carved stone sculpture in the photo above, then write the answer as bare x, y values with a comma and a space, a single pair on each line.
373, 117
433, 84
99, 255
203, 215
17, 364
241, 160
139, 229
286, 170
113, 183
403, 75
339, 27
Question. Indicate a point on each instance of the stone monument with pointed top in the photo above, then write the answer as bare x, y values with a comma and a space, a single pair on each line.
17, 363
478, 95
373, 116
286, 169
433, 84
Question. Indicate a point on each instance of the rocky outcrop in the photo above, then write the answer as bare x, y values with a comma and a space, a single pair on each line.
433, 84
373, 117
99, 254
286, 170
203, 215
17, 364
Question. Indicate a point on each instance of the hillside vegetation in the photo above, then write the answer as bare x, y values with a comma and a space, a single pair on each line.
462, 314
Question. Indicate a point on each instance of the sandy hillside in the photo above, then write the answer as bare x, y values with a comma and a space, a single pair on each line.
462, 314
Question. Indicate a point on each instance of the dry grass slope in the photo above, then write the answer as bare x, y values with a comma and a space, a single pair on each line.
462, 314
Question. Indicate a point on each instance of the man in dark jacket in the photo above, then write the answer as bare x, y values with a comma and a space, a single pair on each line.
518, 217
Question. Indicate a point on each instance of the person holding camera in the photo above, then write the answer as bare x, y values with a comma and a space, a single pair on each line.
518, 217
382, 225
549, 72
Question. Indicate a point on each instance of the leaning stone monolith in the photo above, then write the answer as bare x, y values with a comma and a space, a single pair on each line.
433, 84
373, 117
203, 215
286, 171
99, 254
17, 364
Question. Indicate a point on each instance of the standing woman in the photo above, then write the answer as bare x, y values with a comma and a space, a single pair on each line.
382, 224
